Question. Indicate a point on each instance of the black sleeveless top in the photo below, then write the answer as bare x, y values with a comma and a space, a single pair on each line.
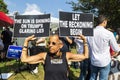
56, 68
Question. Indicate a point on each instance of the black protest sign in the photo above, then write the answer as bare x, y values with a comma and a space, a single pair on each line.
26, 25
72, 24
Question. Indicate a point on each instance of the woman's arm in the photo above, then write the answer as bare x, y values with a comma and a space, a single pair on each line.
31, 59
69, 40
79, 57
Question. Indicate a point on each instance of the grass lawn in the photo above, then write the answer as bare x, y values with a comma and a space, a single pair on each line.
11, 66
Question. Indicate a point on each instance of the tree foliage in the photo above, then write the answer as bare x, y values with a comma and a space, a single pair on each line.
111, 8
3, 6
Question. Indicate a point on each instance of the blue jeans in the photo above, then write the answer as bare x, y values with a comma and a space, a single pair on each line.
85, 70
102, 71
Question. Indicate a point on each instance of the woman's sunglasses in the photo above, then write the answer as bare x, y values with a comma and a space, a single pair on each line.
53, 43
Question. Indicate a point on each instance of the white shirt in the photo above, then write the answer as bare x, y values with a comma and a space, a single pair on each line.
100, 46
42, 43
79, 45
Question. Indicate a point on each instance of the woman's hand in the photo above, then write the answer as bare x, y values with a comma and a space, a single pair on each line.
30, 38
82, 37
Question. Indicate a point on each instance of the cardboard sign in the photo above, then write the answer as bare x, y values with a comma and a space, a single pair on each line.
26, 25
72, 24
14, 52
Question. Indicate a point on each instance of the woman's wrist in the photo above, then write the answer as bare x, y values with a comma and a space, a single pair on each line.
84, 41
26, 43
26, 40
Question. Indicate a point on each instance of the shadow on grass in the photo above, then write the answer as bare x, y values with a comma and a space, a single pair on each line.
9, 66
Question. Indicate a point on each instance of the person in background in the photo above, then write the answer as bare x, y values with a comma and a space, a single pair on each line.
112, 53
118, 36
100, 49
85, 64
1, 48
41, 43
6, 37
118, 41
55, 62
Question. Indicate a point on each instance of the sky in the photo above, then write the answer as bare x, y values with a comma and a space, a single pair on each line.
39, 6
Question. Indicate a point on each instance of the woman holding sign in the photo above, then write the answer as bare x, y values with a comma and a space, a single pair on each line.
55, 62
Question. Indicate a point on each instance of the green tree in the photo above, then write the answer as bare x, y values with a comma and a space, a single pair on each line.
3, 6
111, 8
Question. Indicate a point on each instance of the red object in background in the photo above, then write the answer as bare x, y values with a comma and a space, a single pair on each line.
111, 51
5, 20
